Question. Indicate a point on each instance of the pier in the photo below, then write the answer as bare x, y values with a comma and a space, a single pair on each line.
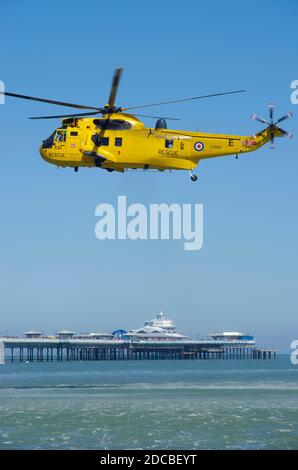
49, 350
156, 340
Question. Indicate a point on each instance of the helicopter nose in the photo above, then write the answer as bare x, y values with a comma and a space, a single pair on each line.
42, 152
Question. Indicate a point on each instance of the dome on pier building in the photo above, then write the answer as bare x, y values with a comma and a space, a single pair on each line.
161, 321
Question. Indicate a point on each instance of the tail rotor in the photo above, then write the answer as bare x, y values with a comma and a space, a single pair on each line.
272, 125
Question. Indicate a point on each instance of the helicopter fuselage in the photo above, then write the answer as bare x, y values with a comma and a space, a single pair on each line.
121, 141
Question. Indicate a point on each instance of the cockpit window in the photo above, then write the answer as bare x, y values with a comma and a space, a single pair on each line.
112, 124
48, 143
60, 135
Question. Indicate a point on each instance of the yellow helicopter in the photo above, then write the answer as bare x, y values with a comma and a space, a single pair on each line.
119, 141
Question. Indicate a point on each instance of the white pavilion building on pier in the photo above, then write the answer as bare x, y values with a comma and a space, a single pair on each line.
160, 328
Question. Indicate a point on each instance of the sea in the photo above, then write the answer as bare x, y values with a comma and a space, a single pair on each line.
186, 404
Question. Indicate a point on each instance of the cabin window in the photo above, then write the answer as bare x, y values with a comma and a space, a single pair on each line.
100, 141
103, 141
169, 143
74, 133
118, 141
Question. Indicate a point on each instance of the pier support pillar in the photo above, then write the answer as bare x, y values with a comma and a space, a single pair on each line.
2, 353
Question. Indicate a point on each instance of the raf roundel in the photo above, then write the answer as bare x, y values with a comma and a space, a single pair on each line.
199, 146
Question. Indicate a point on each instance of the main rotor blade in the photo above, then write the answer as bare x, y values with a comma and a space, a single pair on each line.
158, 117
44, 100
97, 112
65, 115
185, 99
114, 89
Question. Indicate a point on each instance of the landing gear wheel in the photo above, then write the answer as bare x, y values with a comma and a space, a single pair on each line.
76, 169
194, 178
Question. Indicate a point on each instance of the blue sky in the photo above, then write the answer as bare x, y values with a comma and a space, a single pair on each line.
54, 272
